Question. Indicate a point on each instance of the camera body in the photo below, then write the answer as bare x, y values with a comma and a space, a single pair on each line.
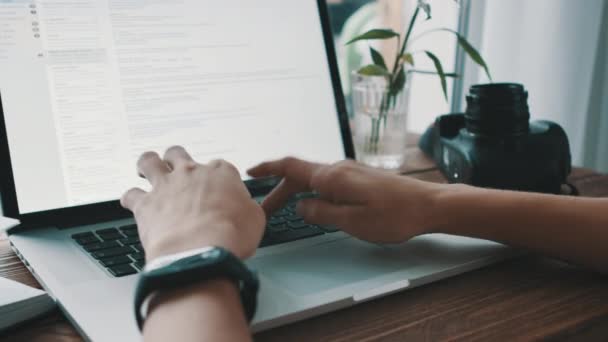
494, 145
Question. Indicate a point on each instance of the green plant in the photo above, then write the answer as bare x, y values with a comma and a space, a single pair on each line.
396, 76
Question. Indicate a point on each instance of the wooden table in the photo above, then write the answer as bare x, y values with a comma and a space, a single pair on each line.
527, 298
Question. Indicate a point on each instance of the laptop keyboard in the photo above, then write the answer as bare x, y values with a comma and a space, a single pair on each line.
119, 250
286, 226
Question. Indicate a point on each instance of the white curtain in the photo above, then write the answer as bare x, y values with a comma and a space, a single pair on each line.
596, 134
558, 49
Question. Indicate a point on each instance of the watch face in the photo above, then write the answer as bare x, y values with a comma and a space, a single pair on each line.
183, 269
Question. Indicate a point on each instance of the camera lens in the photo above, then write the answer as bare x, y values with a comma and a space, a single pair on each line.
498, 109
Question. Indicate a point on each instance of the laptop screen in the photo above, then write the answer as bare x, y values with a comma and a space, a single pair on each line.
88, 85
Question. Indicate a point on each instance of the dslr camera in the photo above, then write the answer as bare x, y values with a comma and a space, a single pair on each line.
494, 144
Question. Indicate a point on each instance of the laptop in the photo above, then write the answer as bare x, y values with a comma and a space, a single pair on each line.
86, 88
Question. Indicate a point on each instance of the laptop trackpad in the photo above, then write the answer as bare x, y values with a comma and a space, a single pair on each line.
326, 266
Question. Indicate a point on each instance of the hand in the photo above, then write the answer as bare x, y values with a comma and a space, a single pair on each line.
369, 204
192, 206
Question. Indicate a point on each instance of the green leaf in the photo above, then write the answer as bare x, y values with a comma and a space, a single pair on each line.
474, 54
398, 83
426, 8
375, 34
377, 58
471, 51
373, 70
407, 58
440, 72
467, 47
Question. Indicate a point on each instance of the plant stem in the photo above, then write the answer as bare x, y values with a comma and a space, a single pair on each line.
374, 138
405, 41
398, 67
383, 112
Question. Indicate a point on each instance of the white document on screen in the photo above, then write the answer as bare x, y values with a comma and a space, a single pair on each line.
88, 85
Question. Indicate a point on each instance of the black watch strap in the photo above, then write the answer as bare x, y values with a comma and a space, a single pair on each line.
210, 263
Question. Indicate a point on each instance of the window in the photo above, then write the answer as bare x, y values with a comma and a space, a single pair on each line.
352, 17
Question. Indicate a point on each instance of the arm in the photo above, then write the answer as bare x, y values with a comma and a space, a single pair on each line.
385, 208
207, 312
192, 206
568, 228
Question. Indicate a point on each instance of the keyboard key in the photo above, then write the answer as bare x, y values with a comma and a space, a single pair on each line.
101, 245
140, 265
121, 260
112, 252
82, 235
129, 241
101, 232
293, 217
138, 247
290, 235
129, 227
277, 229
298, 224
122, 270
138, 256
276, 221
130, 233
86, 240
281, 213
112, 237
109, 234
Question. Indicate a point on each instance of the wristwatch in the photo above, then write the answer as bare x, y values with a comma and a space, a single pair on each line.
191, 267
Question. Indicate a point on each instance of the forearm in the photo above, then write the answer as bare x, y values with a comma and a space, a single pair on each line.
569, 228
211, 311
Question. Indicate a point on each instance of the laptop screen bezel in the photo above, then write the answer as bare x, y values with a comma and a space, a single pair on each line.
91, 213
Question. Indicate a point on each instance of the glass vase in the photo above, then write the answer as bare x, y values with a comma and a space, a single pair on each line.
379, 124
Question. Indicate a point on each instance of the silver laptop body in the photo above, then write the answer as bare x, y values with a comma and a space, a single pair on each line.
90, 87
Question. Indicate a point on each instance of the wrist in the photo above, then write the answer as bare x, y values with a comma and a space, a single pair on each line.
221, 290
214, 303
444, 213
207, 232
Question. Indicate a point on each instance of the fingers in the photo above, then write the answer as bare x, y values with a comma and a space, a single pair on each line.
130, 199
262, 170
151, 167
322, 212
298, 170
297, 175
217, 163
279, 196
177, 156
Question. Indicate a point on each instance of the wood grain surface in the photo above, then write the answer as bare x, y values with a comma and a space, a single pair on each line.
528, 298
